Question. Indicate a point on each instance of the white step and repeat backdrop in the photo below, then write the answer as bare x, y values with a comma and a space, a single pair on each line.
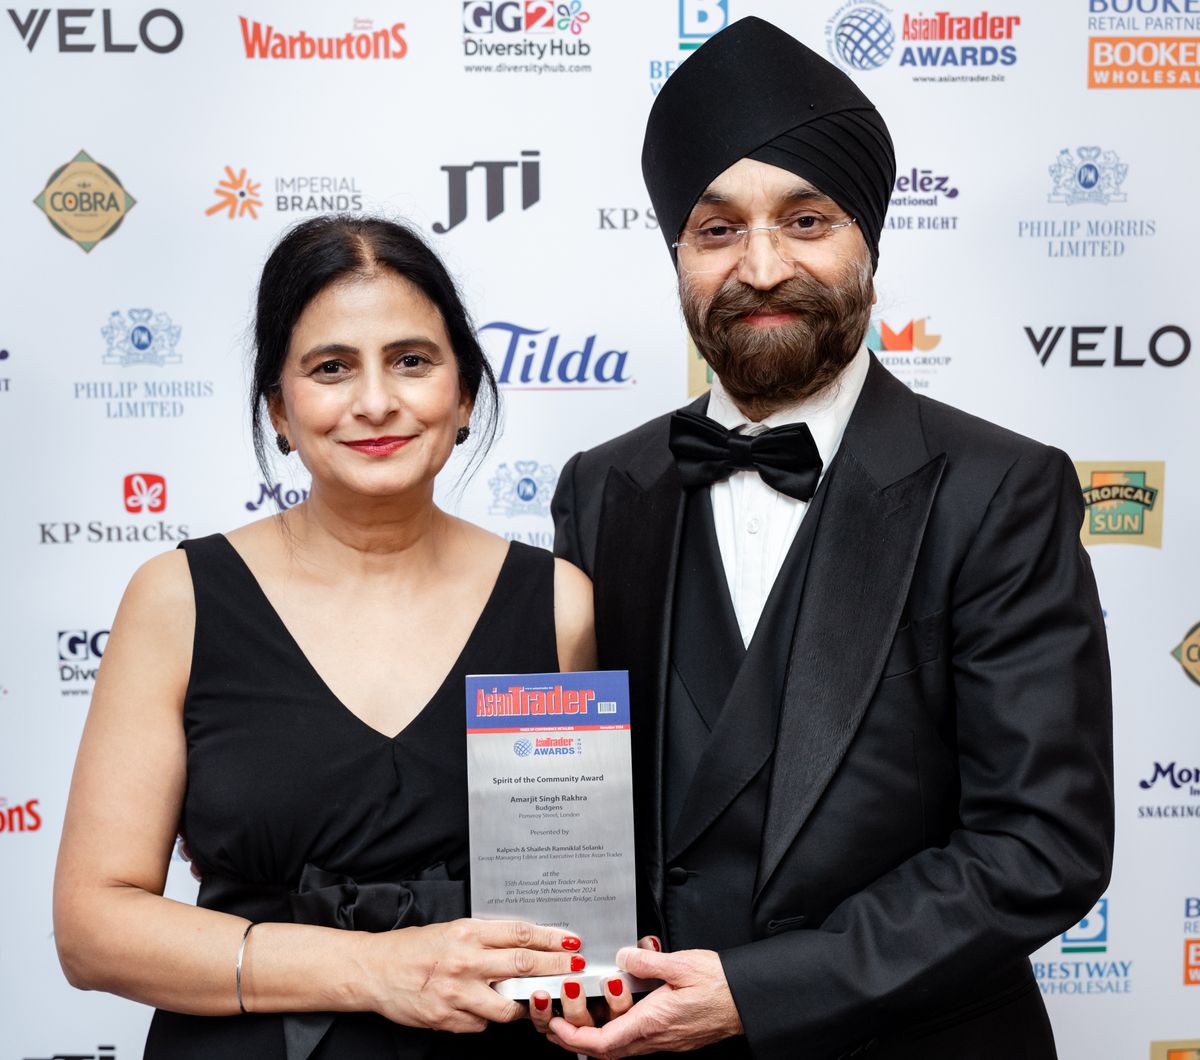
1038, 270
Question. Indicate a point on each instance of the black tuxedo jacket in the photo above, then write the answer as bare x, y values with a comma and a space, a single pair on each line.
940, 799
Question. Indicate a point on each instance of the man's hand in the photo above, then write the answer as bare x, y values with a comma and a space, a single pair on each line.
692, 1008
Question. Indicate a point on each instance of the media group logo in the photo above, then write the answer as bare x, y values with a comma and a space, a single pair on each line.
549, 36
920, 199
1089, 175
525, 488
20, 816
1138, 44
1123, 502
527, 168
538, 359
76, 29
1174, 781
863, 35
907, 351
144, 493
79, 655
1187, 654
362, 42
1083, 967
84, 201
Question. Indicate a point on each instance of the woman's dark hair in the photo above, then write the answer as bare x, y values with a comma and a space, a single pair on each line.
323, 250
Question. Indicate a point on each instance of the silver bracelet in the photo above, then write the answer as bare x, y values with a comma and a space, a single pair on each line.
241, 954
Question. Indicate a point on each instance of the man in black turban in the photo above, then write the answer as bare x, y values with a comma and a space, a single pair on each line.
872, 714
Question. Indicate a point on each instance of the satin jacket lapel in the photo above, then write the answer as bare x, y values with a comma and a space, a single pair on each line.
863, 558
635, 580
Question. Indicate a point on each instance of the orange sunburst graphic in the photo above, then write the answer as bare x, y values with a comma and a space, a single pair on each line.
237, 194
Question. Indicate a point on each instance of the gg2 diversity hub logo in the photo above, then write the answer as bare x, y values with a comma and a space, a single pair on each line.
541, 32
1084, 967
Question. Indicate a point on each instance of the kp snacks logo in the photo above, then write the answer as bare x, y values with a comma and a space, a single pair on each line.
79, 655
547, 37
19, 817
536, 359
1137, 45
144, 493
1123, 502
1172, 780
1093, 974
1187, 654
523, 489
75, 30
262, 40
907, 351
84, 201
863, 36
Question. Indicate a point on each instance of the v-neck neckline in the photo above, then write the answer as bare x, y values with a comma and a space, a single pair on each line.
294, 644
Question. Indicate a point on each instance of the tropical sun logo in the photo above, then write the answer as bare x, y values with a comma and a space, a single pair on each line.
237, 195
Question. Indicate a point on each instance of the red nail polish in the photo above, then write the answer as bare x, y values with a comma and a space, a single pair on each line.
541, 1003
571, 942
616, 987
655, 943
571, 989
578, 964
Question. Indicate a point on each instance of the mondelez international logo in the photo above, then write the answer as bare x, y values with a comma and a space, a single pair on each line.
85, 201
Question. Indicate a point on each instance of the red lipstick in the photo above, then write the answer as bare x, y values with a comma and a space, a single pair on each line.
378, 446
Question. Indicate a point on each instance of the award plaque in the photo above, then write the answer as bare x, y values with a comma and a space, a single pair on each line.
551, 809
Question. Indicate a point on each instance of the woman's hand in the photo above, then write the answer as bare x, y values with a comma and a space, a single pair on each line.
440, 976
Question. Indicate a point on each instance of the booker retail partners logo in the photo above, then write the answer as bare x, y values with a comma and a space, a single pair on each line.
84, 201
1123, 502
1137, 44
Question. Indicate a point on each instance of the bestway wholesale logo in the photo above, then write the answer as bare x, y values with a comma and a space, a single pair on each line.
1090, 935
699, 20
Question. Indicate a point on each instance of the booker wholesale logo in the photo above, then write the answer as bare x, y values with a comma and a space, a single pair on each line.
697, 21
144, 493
1123, 502
528, 167
1191, 945
1088, 176
536, 359
1177, 781
1091, 975
1189, 1050
1139, 45
75, 29
920, 201
79, 655
261, 40
906, 351
20, 817
84, 201
863, 35
548, 37
1187, 654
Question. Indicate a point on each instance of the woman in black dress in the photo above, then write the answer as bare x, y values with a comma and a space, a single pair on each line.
289, 698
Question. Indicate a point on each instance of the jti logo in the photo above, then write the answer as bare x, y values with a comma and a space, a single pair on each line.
145, 492
493, 188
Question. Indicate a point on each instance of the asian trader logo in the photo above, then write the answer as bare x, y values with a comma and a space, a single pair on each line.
522, 748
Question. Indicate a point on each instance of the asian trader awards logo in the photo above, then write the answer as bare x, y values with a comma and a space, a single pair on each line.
1123, 502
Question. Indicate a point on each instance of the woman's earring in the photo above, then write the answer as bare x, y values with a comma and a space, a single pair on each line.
282, 444
463, 434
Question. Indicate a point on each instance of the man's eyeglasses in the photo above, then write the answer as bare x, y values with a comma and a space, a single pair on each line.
719, 247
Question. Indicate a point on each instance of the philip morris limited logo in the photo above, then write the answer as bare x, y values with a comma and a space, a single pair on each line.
262, 40
1172, 780
1187, 654
525, 488
75, 30
458, 184
536, 359
144, 337
906, 351
1090, 175
84, 201
1137, 44
546, 37
20, 816
79, 655
863, 35
1123, 502
921, 200
1090, 975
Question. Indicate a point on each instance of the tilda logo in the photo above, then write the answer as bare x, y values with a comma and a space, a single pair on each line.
262, 40
534, 359
145, 492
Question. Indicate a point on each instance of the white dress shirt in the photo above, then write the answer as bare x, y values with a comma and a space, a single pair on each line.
755, 523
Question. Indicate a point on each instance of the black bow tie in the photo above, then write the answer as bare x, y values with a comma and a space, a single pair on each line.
785, 457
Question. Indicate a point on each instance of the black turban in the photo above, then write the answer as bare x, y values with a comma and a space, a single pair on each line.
752, 91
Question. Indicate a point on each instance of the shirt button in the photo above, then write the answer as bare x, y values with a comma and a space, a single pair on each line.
677, 875
753, 525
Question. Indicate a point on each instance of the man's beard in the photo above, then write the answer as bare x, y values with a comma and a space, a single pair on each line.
766, 368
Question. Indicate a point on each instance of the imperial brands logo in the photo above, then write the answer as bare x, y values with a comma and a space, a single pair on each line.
529, 168
144, 493
906, 351
1092, 974
20, 816
77, 29
1173, 781
1123, 502
532, 359
84, 201
523, 489
1103, 345
236, 195
79, 655
262, 40
862, 36
1187, 654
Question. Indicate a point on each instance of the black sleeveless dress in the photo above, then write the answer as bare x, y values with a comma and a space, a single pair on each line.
298, 811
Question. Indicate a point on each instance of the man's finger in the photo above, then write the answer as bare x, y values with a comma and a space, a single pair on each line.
505, 934
590, 1041
649, 964
650, 942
